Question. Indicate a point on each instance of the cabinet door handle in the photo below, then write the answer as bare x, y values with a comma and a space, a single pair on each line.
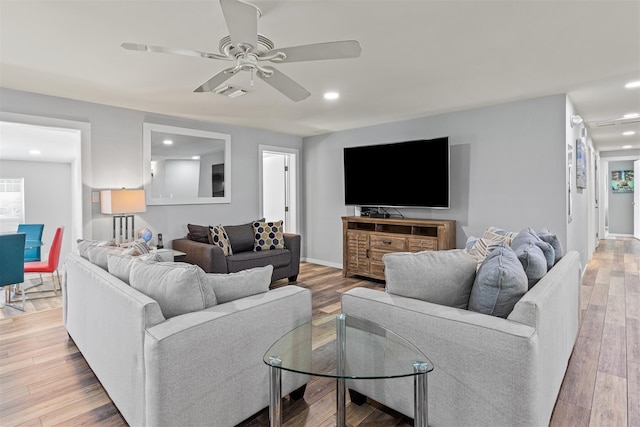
367, 253
386, 242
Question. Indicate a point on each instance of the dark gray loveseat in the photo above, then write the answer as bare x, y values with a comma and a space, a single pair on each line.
197, 245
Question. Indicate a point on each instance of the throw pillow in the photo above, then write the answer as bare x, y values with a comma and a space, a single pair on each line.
499, 283
199, 233
219, 238
478, 248
533, 262
178, 288
268, 235
241, 237
552, 239
119, 265
233, 286
136, 247
99, 255
529, 236
84, 246
439, 277
495, 233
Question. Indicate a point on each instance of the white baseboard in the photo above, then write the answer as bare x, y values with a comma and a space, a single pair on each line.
616, 235
322, 262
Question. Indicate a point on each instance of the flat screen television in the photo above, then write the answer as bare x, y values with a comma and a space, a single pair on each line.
402, 174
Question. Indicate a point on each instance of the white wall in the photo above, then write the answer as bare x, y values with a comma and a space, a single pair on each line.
508, 169
116, 161
47, 188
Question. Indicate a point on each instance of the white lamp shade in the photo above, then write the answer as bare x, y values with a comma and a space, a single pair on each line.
122, 201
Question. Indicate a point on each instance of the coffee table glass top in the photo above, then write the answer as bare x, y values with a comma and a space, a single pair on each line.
371, 351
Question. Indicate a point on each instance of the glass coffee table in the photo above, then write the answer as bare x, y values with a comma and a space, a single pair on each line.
361, 350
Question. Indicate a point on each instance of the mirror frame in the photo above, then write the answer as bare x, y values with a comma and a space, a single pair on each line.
146, 165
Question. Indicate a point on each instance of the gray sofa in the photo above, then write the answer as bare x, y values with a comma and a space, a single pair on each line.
286, 262
489, 371
193, 369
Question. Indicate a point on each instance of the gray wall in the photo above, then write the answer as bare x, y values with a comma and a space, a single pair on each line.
508, 169
620, 204
116, 161
47, 188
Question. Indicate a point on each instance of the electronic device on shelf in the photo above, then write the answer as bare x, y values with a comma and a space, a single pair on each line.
402, 174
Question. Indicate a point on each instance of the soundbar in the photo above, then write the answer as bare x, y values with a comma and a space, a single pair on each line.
378, 215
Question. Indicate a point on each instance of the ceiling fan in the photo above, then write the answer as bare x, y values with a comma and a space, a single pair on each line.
248, 49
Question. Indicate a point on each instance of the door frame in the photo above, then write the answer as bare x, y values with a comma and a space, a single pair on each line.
603, 213
294, 207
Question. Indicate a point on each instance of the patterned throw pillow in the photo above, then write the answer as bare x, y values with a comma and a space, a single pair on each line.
498, 234
136, 247
219, 238
268, 235
480, 247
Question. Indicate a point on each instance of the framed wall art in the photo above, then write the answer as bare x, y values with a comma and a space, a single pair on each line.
622, 181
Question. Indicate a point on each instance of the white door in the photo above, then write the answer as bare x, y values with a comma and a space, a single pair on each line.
636, 200
279, 187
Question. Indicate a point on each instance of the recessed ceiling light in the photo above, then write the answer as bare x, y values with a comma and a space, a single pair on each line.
167, 142
631, 115
626, 146
632, 85
195, 158
629, 132
35, 152
331, 96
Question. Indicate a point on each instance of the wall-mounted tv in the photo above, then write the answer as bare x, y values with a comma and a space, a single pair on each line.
402, 174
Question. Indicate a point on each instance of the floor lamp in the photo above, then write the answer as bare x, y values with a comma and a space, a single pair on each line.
122, 204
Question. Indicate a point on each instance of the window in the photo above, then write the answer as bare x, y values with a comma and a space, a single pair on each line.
11, 203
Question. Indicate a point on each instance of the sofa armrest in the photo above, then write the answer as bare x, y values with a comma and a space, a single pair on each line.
485, 367
209, 257
292, 242
216, 354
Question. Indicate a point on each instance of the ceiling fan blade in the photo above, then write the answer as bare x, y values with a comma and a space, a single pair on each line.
183, 52
215, 81
285, 85
313, 52
242, 22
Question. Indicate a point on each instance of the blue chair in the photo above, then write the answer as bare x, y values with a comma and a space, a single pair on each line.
33, 242
12, 271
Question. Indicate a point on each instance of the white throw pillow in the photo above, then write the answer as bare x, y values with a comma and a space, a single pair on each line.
177, 287
119, 265
439, 277
233, 286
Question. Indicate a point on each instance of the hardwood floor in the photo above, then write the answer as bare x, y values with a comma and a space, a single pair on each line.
45, 381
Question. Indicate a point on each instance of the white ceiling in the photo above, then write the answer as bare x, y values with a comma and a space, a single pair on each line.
419, 58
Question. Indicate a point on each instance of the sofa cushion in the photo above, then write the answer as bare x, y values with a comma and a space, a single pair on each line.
268, 235
98, 255
240, 237
439, 277
199, 233
119, 265
533, 262
219, 238
139, 247
245, 260
499, 234
499, 283
552, 239
84, 245
177, 287
529, 236
233, 286
478, 248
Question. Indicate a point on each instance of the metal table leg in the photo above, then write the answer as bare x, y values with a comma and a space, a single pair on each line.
275, 392
341, 349
420, 402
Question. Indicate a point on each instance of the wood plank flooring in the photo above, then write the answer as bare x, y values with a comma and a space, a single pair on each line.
44, 380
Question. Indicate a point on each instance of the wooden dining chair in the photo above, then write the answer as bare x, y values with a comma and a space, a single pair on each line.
12, 271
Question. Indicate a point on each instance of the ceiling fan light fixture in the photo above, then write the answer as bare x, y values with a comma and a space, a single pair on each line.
632, 85
332, 95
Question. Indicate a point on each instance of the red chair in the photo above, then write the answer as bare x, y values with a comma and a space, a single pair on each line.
51, 264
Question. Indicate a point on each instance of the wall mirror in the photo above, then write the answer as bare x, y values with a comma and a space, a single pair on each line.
184, 166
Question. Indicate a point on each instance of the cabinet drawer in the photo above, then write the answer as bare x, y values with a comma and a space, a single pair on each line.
419, 245
386, 242
377, 270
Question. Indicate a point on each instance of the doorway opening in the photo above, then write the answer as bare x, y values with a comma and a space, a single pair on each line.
619, 218
279, 186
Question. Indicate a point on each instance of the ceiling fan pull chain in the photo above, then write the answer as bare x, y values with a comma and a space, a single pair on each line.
252, 70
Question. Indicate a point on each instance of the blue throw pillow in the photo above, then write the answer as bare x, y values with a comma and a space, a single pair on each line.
499, 283
529, 236
533, 262
552, 239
